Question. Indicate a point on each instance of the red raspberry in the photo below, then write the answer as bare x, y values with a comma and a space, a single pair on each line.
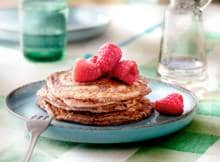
126, 71
85, 71
107, 57
170, 105
93, 59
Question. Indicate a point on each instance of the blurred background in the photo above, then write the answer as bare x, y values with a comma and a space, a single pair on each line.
82, 2
133, 24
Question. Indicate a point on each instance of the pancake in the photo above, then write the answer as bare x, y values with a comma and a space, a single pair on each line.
119, 106
71, 102
138, 112
103, 102
100, 109
105, 90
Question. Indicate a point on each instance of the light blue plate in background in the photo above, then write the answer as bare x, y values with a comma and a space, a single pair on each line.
22, 103
83, 23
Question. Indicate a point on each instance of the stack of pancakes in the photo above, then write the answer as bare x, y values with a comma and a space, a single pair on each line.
102, 102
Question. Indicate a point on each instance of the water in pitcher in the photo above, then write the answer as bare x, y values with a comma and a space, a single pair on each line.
187, 71
183, 68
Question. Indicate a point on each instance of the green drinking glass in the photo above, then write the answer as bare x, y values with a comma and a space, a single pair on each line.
43, 29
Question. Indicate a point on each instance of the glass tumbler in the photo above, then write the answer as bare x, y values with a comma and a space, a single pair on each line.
182, 58
43, 29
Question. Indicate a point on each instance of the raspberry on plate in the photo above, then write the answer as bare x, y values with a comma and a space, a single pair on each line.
126, 71
85, 71
170, 105
107, 57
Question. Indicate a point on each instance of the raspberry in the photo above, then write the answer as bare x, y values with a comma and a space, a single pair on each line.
107, 57
126, 71
93, 59
85, 71
170, 105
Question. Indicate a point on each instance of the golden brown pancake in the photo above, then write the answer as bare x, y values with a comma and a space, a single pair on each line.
71, 102
60, 84
138, 112
102, 102
98, 108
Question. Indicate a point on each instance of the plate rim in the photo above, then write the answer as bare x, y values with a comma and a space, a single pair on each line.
57, 124
89, 27
70, 28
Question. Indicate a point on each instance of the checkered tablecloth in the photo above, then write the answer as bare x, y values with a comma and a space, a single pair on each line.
138, 35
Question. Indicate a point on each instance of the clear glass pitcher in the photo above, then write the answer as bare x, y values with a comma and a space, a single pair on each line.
182, 57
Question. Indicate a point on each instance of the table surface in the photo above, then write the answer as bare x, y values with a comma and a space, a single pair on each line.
136, 29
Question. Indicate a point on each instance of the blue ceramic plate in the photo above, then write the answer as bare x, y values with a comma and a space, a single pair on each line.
83, 23
21, 103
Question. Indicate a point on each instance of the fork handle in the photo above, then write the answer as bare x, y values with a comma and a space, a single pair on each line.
31, 146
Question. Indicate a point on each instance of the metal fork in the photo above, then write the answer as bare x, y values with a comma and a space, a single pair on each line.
36, 125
